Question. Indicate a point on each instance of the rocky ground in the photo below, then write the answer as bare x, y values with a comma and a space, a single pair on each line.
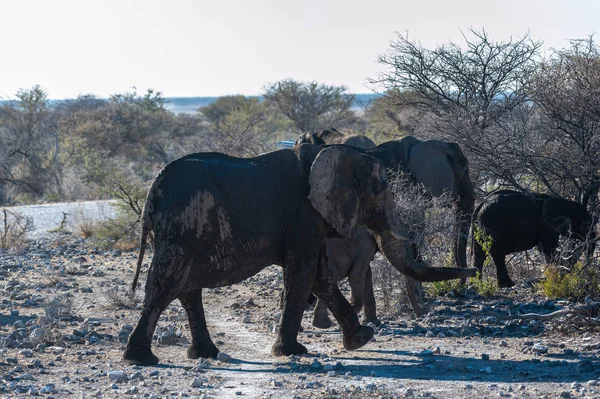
65, 318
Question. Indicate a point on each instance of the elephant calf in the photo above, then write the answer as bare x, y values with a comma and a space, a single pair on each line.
517, 222
218, 220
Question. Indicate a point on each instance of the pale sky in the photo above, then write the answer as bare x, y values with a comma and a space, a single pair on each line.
216, 47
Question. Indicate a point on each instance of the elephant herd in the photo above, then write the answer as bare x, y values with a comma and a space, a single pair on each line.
320, 210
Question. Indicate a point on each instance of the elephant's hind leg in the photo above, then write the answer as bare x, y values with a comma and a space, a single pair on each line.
161, 290
326, 290
138, 347
202, 345
504, 279
320, 316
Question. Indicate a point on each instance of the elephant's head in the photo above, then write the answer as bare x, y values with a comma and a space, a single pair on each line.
350, 189
570, 218
310, 138
327, 136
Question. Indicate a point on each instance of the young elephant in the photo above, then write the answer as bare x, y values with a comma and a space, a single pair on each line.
520, 221
218, 220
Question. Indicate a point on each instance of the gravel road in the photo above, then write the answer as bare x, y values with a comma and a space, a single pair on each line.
47, 217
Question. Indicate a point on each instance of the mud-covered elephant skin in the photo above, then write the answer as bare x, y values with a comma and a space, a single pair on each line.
218, 220
515, 222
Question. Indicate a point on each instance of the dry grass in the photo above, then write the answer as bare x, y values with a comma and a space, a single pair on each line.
14, 228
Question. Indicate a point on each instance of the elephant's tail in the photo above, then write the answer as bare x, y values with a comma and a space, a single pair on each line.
146, 228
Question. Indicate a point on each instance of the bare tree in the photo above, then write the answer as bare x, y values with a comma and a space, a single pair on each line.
311, 106
473, 95
566, 92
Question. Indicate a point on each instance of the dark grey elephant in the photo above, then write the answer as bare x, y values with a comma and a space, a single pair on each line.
441, 167
218, 220
516, 222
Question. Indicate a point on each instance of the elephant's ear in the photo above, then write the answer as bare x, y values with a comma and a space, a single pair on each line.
333, 192
554, 214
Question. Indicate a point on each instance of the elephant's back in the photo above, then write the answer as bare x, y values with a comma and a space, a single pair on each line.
211, 188
510, 214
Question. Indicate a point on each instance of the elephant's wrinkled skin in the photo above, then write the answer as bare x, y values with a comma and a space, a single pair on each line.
517, 222
440, 166
218, 220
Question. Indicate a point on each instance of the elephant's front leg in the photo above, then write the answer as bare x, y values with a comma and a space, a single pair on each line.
327, 291
202, 345
297, 282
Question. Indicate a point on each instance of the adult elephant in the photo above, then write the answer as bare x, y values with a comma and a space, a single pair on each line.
515, 222
333, 136
441, 168
218, 220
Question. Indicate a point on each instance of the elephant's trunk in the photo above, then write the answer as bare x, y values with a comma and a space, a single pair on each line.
397, 251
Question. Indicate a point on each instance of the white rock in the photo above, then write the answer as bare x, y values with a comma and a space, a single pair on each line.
223, 357
117, 376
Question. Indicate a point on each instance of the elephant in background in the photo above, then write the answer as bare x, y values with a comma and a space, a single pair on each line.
518, 221
218, 220
333, 136
441, 167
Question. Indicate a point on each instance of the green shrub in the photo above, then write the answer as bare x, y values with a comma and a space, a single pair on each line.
484, 287
576, 284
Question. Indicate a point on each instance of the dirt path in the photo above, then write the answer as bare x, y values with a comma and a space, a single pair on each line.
452, 352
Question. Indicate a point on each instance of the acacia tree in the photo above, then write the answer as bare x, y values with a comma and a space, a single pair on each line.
241, 126
310, 105
29, 144
474, 95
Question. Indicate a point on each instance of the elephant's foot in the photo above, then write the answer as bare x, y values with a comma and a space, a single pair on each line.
374, 320
360, 338
322, 322
506, 283
289, 348
139, 355
207, 351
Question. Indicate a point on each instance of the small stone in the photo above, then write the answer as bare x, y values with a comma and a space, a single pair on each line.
117, 376
487, 370
328, 367
315, 365
331, 373
592, 383
437, 350
26, 353
441, 335
539, 348
485, 356
426, 352
429, 334
503, 344
246, 319
223, 357
132, 390
197, 382
468, 386
565, 394
275, 383
48, 388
